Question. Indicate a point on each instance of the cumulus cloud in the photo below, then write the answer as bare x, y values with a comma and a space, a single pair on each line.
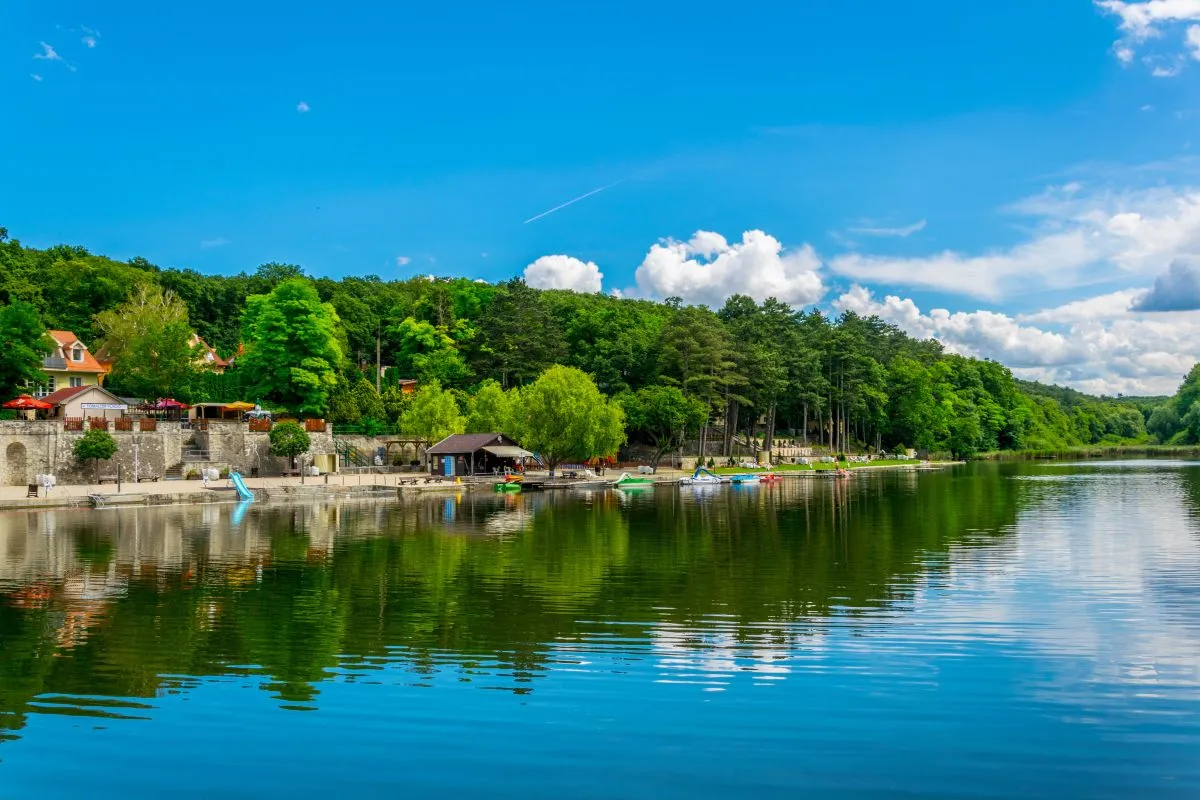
1097, 345
564, 272
902, 232
707, 269
983, 334
403, 261
89, 37
1076, 238
302, 107
1177, 290
1143, 20
36, 77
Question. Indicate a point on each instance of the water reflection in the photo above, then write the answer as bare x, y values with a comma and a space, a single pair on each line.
107, 602
882, 584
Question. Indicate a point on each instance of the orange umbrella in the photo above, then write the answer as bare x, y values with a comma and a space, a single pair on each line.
27, 402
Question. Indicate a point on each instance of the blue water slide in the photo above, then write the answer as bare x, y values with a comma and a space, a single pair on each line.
240, 485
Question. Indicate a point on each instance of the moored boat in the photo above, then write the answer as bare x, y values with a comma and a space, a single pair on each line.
702, 477
627, 481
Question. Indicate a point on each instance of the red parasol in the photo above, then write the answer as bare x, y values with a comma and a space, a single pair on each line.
169, 402
27, 402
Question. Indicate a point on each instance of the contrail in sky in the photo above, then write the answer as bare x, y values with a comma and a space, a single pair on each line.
572, 202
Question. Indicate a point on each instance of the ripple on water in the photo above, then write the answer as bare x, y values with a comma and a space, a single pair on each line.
1004, 630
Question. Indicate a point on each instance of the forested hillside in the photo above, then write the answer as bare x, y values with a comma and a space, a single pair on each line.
755, 369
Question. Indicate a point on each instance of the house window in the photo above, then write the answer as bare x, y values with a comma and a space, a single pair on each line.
75, 381
77, 354
44, 389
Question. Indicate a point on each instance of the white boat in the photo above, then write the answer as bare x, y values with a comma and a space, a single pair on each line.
702, 477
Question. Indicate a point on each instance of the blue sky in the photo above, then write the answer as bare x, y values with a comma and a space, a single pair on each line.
1005, 158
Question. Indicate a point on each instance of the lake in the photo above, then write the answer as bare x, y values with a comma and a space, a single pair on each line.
989, 630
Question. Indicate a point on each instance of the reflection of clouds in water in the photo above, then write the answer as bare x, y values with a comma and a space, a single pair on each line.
509, 521
1092, 576
711, 655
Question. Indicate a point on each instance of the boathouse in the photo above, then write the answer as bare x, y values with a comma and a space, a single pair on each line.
474, 454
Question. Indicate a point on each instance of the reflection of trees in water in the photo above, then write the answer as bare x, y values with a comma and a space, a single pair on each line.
298, 591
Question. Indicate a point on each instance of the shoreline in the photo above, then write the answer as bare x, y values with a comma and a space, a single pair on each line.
92, 496
1095, 451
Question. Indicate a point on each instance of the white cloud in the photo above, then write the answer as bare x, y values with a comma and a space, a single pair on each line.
1166, 67
48, 54
1143, 20
89, 36
902, 232
1100, 345
1077, 238
302, 107
1193, 41
707, 269
403, 261
36, 77
1104, 307
208, 244
1177, 290
1052, 257
564, 272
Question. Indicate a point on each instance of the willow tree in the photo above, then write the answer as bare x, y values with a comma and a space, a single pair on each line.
562, 416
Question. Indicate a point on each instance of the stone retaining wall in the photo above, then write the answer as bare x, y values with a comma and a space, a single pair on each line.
32, 447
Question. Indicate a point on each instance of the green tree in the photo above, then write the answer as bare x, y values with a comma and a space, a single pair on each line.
1164, 423
368, 401
433, 415
489, 409
1191, 424
292, 352
23, 345
563, 416
149, 341
289, 440
664, 415
96, 445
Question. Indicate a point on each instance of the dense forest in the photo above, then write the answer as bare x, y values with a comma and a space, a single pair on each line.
746, 370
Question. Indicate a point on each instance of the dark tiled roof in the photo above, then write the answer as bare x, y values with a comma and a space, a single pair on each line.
467, 443
63, 395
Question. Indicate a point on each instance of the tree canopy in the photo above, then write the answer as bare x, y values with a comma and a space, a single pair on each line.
23, 345
760, 370
433, 415
149, 341
562, 416
96, 445
289, 439
292, 352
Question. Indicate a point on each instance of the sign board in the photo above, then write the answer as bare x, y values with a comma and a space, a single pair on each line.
103, 406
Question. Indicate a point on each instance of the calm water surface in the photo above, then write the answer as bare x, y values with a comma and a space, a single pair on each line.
1028, 630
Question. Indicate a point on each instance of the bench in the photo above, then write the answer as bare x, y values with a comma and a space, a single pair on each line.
148, 479
103, 479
